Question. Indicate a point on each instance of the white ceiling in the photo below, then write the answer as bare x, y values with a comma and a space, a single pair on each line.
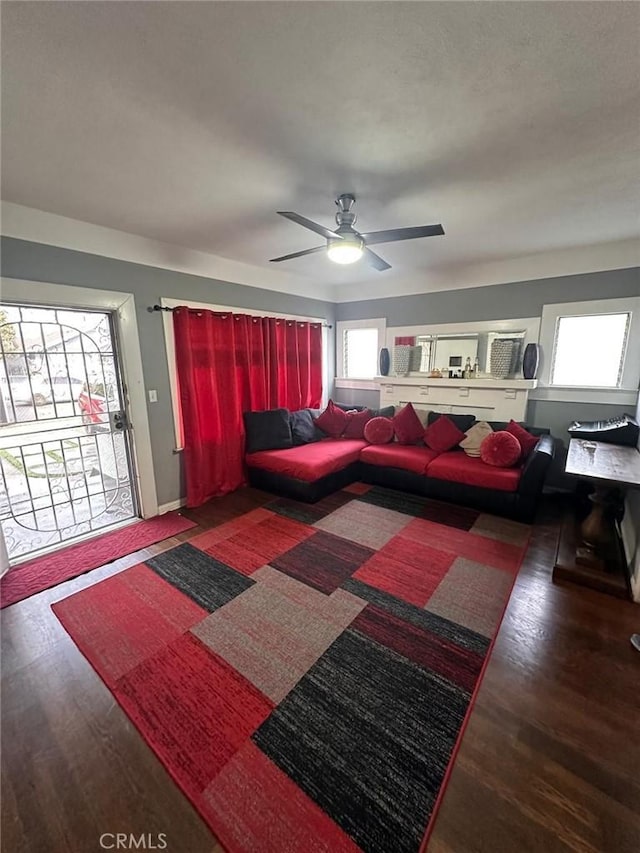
515, 125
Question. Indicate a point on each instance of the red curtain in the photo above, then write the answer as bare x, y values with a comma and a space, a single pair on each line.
233, 363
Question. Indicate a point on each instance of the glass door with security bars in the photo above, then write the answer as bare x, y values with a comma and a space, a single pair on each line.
66, 462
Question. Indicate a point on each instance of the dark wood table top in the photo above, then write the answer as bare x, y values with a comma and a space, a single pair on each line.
595, 460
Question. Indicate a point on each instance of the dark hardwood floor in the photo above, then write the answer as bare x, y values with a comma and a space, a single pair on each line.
550, 759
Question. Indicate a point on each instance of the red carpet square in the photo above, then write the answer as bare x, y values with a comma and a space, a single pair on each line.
201, 713
257, 545
491, 552
245, 821
127, 618
409, 570
230, 528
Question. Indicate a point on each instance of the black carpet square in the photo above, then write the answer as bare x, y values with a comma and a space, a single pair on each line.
367, 735
399, 501
323, 561
310, 513
431, 622
205, 580
460, 517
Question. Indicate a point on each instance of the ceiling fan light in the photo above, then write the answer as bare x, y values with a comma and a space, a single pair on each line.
345, 251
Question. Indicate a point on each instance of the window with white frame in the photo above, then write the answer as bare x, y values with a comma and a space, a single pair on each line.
589, 350
358, 345
591, 345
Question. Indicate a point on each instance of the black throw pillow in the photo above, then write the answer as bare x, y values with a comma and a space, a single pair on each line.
386, 412
347, 407
303, 429
268, 430
463, 422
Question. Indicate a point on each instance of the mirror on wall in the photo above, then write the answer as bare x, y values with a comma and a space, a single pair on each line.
450, 352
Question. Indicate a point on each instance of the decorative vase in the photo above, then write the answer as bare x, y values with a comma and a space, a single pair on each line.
385, 361
501, 355
530, 361
401, 356
415, 358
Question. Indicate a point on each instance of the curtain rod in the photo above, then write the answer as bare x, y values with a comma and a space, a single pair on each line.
196, 310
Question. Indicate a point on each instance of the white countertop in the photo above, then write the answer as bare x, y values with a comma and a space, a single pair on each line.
482, 382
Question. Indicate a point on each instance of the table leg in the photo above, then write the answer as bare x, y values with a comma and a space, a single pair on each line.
596, 529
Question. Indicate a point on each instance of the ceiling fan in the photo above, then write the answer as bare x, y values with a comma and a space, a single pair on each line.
345, 245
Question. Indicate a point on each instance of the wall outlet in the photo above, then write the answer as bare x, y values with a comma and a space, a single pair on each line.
153, 396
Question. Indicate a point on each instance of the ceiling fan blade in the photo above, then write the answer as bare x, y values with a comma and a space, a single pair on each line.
308, 223
394, 234
298, 254
376, 261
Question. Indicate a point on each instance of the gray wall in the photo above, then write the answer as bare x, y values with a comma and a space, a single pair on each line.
499, 302
36, 262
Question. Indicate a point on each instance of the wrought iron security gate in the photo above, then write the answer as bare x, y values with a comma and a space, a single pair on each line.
66, 467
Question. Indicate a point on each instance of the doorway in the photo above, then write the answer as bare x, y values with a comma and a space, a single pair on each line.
66, 462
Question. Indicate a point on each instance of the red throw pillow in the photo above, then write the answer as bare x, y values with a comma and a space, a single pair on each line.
356, 422
332, 421
379, 431
500, 449
408, 426
526, 440
443, 435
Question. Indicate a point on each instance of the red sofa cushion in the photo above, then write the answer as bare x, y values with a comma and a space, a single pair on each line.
396, 455
527, 441
332, 421
379, 431
408, 426
309, 462
460, 468
500, 449
356, 422
443, 435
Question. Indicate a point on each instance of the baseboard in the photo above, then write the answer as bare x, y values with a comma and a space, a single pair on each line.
171, 506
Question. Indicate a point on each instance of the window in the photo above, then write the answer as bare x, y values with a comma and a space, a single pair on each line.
359, 343
360, 353
589, 350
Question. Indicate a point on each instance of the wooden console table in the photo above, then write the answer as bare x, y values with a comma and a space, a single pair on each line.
589, 553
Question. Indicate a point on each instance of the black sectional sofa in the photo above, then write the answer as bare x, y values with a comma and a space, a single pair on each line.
312, 470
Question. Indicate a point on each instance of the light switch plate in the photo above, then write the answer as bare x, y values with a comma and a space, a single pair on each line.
153, 395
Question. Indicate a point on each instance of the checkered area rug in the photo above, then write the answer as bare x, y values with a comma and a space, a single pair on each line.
304, 671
